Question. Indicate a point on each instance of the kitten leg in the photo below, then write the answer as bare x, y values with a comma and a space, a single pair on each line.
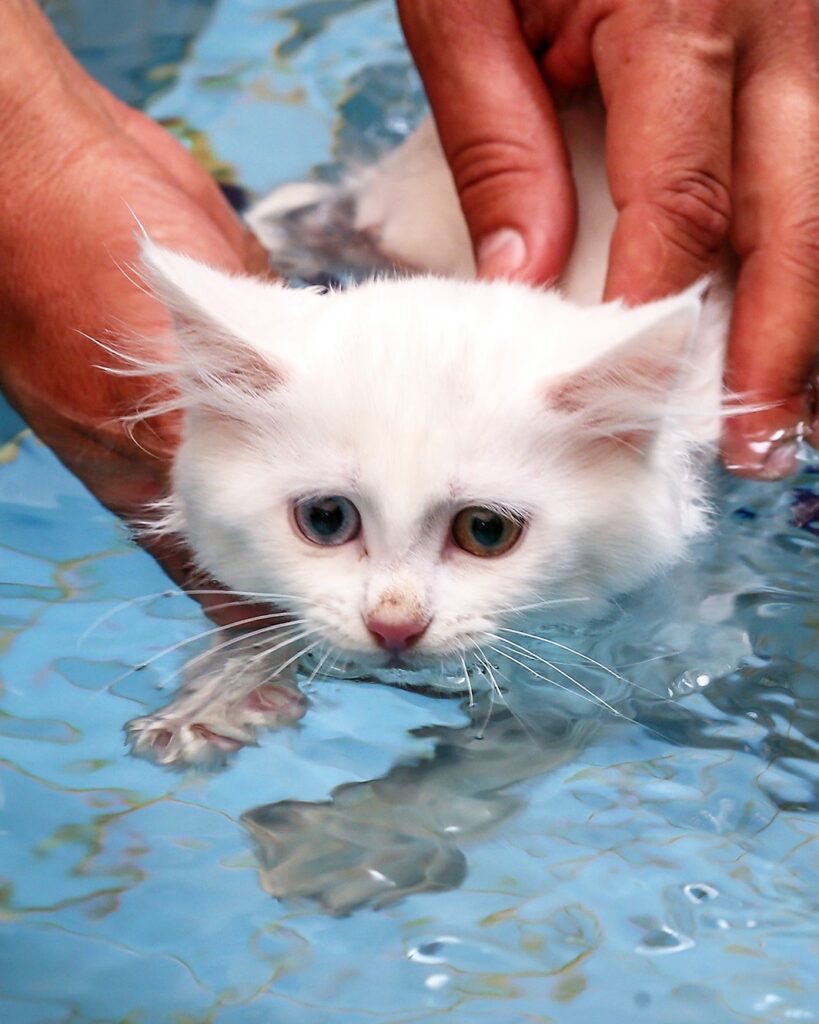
408, 206
219, 708
401, 212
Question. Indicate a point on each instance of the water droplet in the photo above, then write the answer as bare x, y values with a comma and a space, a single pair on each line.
436, 981
698, 892
663, 940
429, 952
767, 1001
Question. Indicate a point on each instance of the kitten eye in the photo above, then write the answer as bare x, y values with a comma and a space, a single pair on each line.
329, 521
485, 532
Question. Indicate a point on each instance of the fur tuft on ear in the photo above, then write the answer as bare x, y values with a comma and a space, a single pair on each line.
624, 394
220, 323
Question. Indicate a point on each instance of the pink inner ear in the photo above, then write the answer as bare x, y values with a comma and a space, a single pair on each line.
216, 358
248, 373
616, 403
588, 388
623, 393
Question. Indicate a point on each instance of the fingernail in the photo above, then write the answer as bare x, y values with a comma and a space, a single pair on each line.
501, 254
764, 460
782, 460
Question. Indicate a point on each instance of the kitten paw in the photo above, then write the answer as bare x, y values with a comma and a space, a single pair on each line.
168, 740
190, 733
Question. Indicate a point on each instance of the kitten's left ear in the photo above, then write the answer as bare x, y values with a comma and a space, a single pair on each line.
624, 393
221, 321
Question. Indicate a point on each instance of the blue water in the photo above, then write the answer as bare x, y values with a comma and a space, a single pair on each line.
396, 857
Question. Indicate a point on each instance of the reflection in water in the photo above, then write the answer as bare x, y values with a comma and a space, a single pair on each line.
373, 843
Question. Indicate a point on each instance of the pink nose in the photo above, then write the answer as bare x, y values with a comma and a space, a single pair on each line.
395, 636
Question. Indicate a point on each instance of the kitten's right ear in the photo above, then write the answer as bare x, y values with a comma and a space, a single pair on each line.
220, 321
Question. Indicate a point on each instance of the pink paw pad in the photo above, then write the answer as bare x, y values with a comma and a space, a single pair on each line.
273, 699
222, 742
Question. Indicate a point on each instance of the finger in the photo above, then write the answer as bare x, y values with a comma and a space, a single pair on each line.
256, 258
775, 334
500, 134
668, 93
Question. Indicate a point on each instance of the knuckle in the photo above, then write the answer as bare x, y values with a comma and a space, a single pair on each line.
481, 165
696, 206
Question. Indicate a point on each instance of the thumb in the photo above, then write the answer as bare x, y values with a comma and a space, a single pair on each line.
500, 134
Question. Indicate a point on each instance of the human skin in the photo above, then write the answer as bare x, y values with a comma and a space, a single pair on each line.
77, 169
712, 138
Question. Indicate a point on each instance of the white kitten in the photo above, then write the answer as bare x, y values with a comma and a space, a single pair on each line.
412, 458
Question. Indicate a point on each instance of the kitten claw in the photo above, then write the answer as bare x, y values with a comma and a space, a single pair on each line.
189, 732
171, 742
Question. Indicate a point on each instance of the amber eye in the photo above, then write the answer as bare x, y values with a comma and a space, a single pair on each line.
485, 532
329, 521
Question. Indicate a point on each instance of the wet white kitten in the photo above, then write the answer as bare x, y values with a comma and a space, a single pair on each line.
411, 460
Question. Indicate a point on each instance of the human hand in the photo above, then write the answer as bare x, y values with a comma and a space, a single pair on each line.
712, 135
78, 166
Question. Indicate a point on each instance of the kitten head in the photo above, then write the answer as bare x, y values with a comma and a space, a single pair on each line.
409, 461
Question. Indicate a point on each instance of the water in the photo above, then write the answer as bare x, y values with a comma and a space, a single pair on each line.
396, 857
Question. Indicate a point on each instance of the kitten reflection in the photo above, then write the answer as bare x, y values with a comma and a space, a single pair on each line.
373, 843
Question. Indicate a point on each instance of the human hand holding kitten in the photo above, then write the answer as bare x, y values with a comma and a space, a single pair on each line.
712, 136
79, 167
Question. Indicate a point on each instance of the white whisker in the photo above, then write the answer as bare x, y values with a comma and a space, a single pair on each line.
142, 599
554, 682
492, 680
297, 655
488, 666
481, 733
211, 651
648, 661
202, 636
543, 604
198, 592
262, 655
146, 599
332, 666
536, 657
468, 681
577, 654
230, 686
261, 594
593, 699
317, 669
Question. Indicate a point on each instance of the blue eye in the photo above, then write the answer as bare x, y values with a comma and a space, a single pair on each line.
329, 521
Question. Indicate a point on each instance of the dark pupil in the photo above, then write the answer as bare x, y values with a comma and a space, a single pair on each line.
487, 528
327, 518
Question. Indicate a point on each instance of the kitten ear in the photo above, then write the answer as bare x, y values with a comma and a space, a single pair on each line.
624, 394
218, 320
